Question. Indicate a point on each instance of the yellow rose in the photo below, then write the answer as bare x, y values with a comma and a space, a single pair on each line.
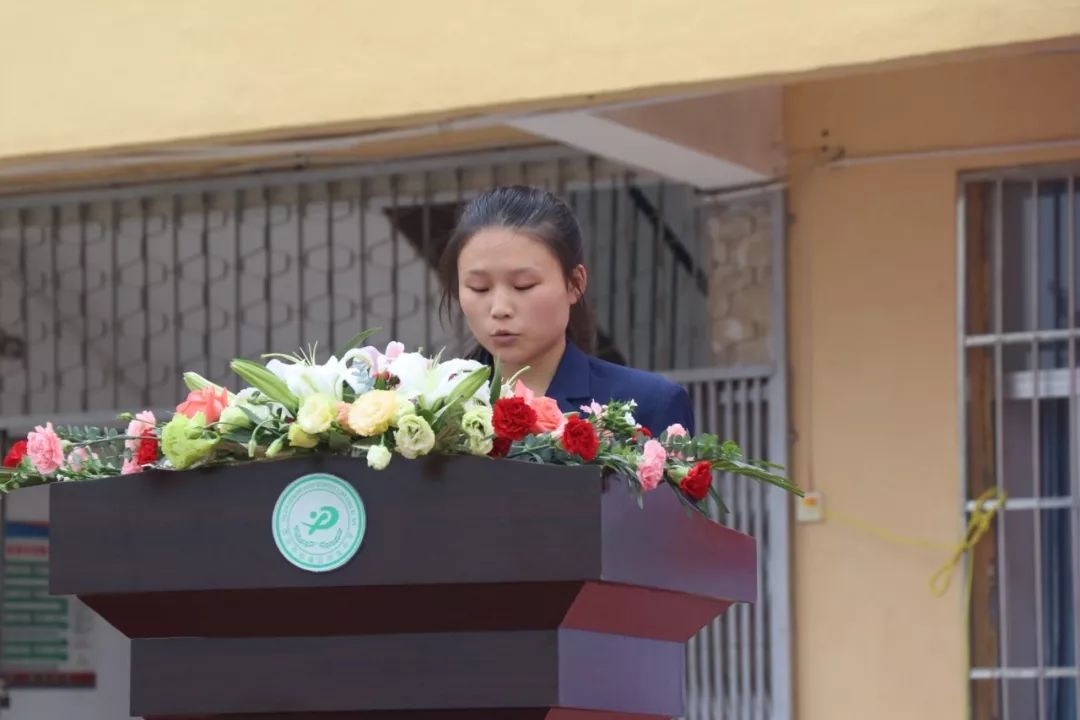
372, 412
317, 413
299, 438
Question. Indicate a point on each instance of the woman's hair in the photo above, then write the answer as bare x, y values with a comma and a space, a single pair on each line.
534, 212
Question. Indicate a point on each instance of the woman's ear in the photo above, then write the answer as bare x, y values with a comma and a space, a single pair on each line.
579, 282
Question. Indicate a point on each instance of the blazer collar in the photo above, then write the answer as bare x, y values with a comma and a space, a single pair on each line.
571, 383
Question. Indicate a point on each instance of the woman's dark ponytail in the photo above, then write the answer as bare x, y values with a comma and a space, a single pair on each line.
582, 326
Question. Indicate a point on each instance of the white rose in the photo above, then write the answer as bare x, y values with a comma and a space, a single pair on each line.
414, 437
476, 423
378, 457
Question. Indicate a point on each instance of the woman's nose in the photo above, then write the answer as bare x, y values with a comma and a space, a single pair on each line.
501, 304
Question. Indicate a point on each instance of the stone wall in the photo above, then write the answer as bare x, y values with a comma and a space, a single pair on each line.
739, 239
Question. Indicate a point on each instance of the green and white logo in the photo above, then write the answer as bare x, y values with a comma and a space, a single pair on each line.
319, 522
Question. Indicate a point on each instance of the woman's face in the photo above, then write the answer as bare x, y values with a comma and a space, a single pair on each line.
514, 294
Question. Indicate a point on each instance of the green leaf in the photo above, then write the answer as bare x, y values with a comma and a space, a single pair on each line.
719, 500
706, 440
496, 382
251, 414
195, 381
266, 382
275, 447
357, 340
253, 443
738, 467
515, 376
338, 441
731, 450
467, 387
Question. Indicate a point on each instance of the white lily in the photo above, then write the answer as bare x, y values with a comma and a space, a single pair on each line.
426, 383
303, 378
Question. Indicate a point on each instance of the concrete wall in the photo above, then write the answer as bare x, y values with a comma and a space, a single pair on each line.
739, 235
873, 355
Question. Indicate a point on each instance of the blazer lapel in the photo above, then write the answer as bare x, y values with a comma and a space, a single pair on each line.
571, 386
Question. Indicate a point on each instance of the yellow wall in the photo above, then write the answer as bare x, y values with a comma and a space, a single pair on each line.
872, 312
84, 75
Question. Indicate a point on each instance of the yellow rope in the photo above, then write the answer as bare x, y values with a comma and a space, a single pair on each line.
982, 517
986, 509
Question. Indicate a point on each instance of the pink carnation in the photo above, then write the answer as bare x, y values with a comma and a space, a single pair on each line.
77, 457
676, 430
143, 421
130, 466
44, 449
651, 465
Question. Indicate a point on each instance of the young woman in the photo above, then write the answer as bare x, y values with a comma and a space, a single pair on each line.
515, 265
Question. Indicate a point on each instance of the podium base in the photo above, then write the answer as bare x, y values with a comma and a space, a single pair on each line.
557, 674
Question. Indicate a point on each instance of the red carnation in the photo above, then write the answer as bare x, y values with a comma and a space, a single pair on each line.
500, 447
147, 452
579, 438
513, 419
15, 454
697, 482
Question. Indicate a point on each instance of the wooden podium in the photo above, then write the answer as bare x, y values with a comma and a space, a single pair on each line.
483, 590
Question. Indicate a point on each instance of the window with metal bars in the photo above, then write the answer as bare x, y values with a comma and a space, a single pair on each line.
1020, 328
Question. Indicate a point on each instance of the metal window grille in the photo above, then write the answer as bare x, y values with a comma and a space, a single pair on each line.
739, 667
1019, 313
107, 295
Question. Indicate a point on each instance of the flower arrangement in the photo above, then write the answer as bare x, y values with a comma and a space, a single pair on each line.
375, 403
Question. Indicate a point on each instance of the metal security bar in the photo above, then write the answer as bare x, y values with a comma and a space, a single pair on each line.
1020, 324
730, 664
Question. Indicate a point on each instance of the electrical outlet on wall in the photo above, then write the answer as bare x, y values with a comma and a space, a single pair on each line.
809, 509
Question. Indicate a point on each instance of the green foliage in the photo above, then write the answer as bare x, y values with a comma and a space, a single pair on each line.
266, 382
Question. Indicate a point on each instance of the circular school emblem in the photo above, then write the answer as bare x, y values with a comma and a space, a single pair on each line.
319, 522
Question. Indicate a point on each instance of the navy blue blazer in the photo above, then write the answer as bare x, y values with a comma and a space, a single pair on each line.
581, 378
